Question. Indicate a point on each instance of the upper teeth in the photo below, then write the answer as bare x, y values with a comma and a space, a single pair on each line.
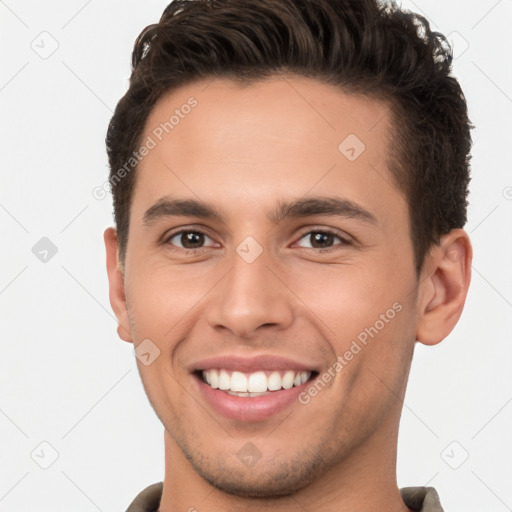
256, 382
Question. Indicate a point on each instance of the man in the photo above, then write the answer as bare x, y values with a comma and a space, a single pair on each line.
289, 182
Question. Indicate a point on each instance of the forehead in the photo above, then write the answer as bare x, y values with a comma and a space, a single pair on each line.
302, 107
282, 137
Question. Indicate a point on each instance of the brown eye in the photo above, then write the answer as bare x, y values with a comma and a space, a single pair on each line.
323, 239
188, 239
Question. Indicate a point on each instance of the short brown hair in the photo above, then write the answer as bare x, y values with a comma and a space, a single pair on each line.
362, 46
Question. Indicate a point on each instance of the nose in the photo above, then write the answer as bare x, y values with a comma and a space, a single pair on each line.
251, 297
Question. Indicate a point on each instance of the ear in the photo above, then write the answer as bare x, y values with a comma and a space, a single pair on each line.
444, 286
116, 285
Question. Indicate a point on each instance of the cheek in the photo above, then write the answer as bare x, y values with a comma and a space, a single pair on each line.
347, 298
369, 318
162, 297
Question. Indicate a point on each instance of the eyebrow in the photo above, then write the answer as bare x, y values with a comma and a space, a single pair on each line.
330, 206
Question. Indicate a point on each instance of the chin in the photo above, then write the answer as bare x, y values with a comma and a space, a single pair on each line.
268, 479
259, 487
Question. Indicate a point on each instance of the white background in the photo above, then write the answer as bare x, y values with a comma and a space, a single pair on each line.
65, 377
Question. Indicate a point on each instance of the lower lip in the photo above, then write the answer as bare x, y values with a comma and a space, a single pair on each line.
250, 408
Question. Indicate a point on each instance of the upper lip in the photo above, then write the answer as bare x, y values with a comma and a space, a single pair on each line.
251, 364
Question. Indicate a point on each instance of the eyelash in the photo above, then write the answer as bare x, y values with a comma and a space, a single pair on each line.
199, 250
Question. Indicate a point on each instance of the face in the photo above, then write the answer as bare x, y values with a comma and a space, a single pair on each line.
269, 254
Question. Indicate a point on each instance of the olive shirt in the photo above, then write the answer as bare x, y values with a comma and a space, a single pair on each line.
421, 499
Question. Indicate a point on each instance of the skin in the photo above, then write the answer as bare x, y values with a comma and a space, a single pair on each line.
242, 149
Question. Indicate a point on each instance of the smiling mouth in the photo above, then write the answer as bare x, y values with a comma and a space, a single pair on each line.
253, 384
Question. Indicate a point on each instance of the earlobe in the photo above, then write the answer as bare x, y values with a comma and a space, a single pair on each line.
444, 288
116, 285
